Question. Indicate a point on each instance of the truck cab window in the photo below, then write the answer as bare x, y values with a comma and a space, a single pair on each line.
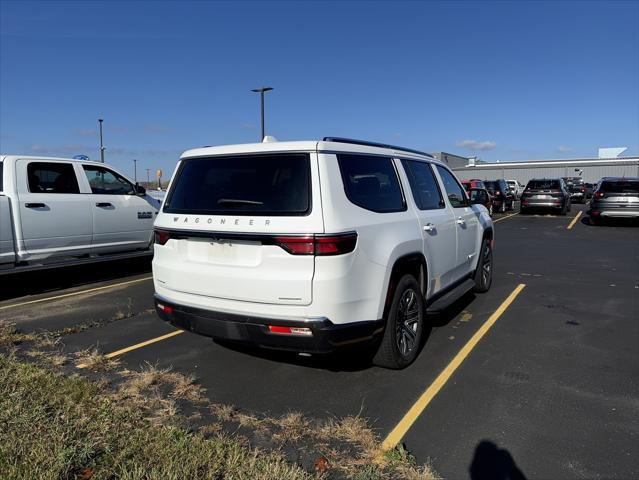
106, 182
52, 178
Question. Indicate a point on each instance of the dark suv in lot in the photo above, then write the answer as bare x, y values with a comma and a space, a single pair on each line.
616, 197
577, 189
546, 193
503, 197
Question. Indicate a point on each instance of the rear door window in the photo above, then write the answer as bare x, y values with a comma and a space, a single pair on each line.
371, 182
44, 177
273, 184
423, 184
455, 193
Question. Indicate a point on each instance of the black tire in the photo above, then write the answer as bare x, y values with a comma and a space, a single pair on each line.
594, 221
407, 313
523, 210
484, 273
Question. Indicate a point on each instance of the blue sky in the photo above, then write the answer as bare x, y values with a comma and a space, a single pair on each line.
501, 80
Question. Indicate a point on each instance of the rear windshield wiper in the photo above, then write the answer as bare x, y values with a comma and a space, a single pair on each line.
237, 201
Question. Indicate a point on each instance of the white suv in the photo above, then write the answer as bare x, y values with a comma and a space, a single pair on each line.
318, 245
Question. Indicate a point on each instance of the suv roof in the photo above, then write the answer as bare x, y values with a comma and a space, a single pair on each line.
620, 179
328, 144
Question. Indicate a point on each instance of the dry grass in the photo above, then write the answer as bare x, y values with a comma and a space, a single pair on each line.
93, 360
343, 447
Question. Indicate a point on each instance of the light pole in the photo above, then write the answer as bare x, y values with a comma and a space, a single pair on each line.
135, 170
101, 144
148, 179
261, 91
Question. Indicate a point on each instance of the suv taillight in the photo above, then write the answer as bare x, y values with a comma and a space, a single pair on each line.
320, 245
600, 194
162, 236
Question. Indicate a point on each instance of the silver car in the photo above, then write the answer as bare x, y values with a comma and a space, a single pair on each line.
615, 197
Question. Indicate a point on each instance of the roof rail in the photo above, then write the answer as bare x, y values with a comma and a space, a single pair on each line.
374, 144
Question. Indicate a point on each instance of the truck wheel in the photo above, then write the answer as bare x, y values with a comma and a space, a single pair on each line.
404, 326
484, 273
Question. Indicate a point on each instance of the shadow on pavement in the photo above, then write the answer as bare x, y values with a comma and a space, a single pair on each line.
612, 222
36, 282
493, 463
350, 360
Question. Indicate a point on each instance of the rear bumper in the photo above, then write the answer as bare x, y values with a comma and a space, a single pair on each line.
613, 210
542, 203
326, 337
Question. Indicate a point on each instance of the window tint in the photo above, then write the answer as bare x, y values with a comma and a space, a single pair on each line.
106, 182
277, 184
52, 178
455, 193
544, 185
371, 182
423, 184
620, 186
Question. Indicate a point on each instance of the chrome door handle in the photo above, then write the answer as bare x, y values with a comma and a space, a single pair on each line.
460, 221
429, 227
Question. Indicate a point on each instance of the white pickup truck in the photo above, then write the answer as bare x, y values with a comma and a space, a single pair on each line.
56, 211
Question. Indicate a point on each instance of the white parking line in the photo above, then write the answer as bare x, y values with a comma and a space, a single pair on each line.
504, 218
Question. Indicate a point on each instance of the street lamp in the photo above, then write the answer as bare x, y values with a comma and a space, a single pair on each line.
135, 170
261, 91
148, 179
101, 145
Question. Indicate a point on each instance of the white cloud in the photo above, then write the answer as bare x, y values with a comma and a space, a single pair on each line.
474, 145
563, 149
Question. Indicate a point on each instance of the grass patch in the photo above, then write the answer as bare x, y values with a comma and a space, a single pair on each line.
57, 424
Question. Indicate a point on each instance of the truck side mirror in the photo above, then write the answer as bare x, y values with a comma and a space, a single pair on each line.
140, 191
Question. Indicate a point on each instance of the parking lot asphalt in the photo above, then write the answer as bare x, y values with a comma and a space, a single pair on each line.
551, 389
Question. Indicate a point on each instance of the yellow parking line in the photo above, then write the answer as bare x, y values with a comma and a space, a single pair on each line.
422, 402
504, 218
137, 345
574, 220
91, 290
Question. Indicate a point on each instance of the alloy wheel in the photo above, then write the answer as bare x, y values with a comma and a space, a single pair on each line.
407, 323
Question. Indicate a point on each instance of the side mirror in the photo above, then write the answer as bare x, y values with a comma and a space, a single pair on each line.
140, 191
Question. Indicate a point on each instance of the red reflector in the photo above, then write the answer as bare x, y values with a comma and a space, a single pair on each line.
595, 213
165, 308
276, 329
300, 331
162, 236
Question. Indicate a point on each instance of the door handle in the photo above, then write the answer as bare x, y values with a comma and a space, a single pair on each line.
103, 204
429, 227
460, 221
34, 205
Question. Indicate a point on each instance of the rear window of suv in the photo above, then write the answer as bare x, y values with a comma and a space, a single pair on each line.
620, 186
543, 185
273, 184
